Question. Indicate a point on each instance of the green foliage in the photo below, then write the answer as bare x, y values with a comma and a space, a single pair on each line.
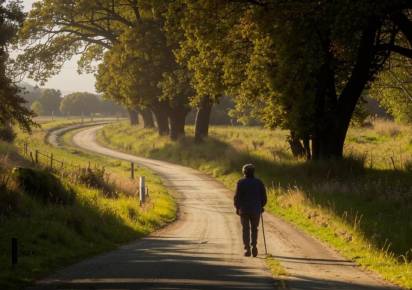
97, 178
301, 65
221, 113
361, 113
43, 186
6, 133
50, 100
30, 93
37, 108
80, 104
9, 201
12, 109
393, 89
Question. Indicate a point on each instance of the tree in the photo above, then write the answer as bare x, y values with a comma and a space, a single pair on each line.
37, 108
12, 109
393, 89
50, 101
80, 104
103, 30
141, 70
110, 108
301, 65
30, 93
201, 61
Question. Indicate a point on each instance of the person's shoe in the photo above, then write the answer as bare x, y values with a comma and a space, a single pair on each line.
247, 252
254, 251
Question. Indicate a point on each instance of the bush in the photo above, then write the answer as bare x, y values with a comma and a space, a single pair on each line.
6, 133
9, 200
96, 178
43, 186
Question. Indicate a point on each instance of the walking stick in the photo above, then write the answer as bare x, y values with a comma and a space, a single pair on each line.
263, 231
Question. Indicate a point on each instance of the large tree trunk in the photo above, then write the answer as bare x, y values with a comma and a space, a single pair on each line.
161, 112
177, 118
133, 117
334, 114
147, 117
203, 119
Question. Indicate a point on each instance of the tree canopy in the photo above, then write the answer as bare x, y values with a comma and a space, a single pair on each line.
50, 100
301, 65
80, 103
393, 88
12, 109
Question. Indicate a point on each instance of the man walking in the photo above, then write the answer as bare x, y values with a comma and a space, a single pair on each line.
250, 198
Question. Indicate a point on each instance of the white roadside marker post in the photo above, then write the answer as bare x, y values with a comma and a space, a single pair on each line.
142, 190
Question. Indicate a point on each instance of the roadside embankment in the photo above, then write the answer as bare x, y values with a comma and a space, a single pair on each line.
78, 219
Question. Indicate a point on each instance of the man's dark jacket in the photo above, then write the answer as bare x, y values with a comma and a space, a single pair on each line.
250, 196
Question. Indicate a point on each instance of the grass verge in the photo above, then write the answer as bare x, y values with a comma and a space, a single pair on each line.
361, 208
52, 235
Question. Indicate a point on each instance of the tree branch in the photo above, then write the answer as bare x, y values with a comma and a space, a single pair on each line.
404, 24
398, 49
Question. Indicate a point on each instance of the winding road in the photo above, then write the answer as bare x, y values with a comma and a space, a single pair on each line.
202, 250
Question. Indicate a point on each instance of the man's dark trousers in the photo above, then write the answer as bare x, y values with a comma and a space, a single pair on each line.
250, 224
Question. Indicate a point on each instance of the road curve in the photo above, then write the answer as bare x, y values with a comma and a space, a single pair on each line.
203, 249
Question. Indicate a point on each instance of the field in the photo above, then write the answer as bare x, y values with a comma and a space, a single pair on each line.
361, 205
53, 235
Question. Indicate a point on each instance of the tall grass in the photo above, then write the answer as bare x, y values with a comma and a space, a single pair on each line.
53, 235
361, 207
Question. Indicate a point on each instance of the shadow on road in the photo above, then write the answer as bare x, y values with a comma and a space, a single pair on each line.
168, 263
159, 263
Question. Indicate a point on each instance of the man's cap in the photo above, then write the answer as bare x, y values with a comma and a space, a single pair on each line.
248, 168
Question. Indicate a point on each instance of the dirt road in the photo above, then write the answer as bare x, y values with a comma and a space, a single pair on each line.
203, 250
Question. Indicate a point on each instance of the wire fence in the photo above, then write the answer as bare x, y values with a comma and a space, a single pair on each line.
72, 170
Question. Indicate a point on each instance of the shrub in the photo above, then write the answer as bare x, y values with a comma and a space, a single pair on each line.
6, 133
96, 178
43, 186
9, 200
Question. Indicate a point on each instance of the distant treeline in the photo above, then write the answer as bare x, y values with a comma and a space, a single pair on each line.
46, 102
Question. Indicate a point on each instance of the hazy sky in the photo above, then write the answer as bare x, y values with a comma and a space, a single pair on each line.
68, 80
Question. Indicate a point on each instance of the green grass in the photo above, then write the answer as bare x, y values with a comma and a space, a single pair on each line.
361, 205
277, 269
51, 236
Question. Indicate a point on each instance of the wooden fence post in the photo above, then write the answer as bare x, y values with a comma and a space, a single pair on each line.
132, 170
14, 252
51, 160
36, 156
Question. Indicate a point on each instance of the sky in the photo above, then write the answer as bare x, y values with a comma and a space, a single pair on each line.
68, 80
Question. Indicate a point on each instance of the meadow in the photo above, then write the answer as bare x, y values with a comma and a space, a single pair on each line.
54, 234
360, 205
